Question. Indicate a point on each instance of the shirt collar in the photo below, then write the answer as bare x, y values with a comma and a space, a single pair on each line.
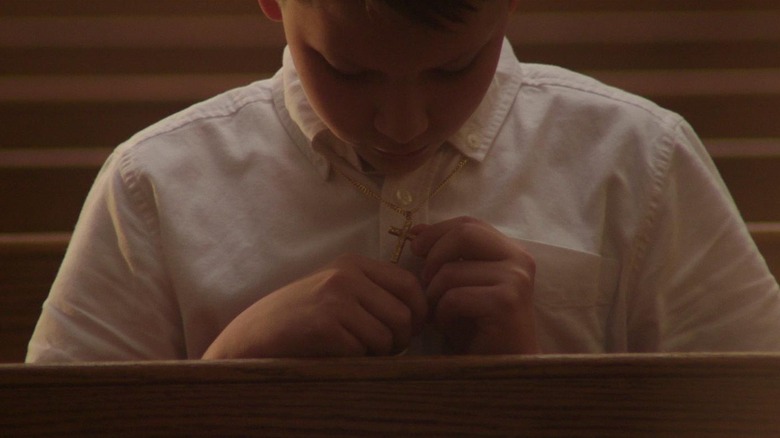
474, 139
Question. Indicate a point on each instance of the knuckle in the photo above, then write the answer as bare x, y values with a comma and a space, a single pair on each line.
445, 276
400, 331
346, 261
335, 280
448, 306
331, 339
385, 343
348, 347
521, 290
403, 319
463, 220
322, 329
325, 300
508, 299
526, 274
523, 278
408, 282
470, 229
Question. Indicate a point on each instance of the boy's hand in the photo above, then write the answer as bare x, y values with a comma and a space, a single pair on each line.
480, 286
353, 307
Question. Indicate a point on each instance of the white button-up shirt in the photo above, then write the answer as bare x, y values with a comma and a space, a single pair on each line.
638, 245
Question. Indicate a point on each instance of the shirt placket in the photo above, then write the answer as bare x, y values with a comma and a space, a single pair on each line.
408, 192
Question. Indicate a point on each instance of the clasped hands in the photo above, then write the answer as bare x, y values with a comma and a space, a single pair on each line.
476, 288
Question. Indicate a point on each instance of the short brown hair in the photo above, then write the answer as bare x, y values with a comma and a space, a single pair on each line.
432, 13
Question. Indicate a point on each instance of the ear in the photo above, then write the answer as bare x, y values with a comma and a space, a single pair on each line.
272, 9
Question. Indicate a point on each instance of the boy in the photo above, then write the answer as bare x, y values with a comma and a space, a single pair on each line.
403, 183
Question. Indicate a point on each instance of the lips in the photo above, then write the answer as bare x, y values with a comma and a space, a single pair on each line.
393, 158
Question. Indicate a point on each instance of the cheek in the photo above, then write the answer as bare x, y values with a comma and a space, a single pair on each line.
454, 105
462, 97
343, 108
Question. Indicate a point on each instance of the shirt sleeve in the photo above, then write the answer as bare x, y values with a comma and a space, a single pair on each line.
698, 281
111, 299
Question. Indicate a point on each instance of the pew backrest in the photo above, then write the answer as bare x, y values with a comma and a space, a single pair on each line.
567, 396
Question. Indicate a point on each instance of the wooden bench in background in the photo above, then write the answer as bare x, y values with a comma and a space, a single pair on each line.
566, 396
28, 264
78, 78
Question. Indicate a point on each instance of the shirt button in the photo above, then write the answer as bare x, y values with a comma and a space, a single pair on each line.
473, 141
404, 197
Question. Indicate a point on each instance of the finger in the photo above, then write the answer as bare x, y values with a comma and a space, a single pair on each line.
396, 318
426, 236
487, 320
459, 313
463, 273
403, 286
339, 341
466, 241
336, 323
374, 336
388, 293
470, 241
348, 302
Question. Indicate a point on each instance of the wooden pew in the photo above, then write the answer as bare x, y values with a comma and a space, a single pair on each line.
767, 238
28, 265
568, 396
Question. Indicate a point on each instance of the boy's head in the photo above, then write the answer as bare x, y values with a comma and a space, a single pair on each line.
394, 78
433, 13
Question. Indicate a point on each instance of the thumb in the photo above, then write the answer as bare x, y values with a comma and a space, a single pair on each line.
420, 246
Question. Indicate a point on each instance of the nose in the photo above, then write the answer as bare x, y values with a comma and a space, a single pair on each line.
401, 114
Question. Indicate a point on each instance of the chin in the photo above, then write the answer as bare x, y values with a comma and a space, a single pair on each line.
397, 165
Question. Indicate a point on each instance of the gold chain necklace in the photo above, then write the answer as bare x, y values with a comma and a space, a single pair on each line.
404, 233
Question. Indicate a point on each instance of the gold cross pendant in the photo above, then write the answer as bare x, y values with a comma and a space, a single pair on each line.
404, 235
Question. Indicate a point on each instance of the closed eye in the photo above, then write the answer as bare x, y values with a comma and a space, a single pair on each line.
340, 72
459, 68
348, 75
454, 72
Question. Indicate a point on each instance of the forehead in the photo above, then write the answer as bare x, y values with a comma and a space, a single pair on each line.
436, 14
348, 28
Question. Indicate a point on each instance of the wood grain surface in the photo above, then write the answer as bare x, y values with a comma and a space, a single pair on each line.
702, 395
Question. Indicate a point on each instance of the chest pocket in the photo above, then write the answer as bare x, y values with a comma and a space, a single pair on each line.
573, 298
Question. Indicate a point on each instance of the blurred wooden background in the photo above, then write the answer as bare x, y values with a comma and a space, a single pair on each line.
77, 77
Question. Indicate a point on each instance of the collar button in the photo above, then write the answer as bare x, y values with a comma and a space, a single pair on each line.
473, 142
404, 197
